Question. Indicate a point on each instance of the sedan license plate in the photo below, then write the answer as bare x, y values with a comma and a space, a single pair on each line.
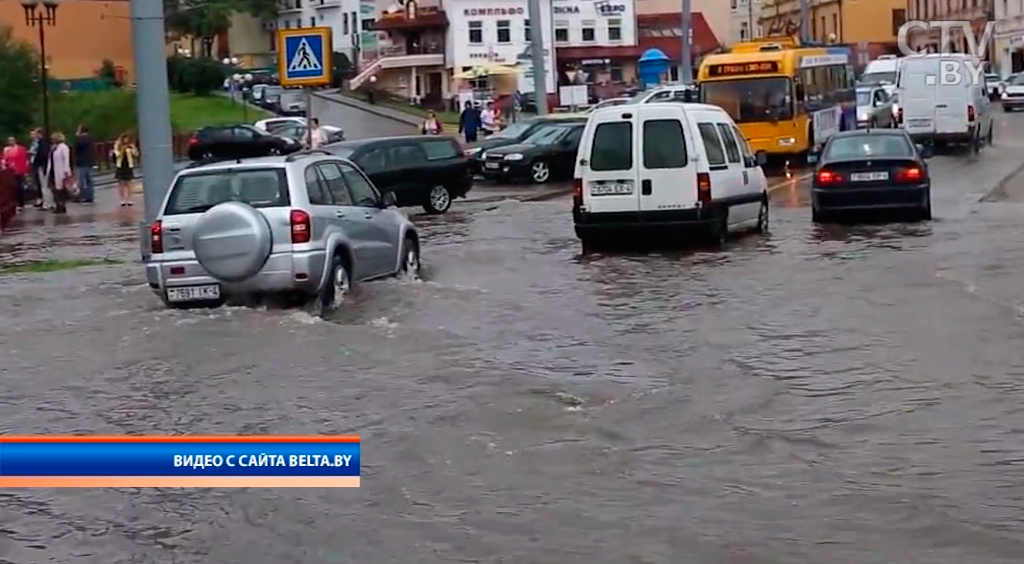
492, 165
611, 189
869, 176
193, 293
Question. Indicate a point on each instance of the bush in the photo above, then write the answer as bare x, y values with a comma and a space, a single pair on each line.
197, 76
19, 85
107, 113
107, 74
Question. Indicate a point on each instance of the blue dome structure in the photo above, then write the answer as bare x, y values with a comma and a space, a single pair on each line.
651, 65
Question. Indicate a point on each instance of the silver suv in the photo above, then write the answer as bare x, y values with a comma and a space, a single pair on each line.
309, 223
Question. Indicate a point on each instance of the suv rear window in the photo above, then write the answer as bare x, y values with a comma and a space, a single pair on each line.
613, 147
198, 192
440, 149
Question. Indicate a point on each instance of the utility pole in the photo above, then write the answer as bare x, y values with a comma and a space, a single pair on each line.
750, 19
153, 105
805, 15
540, 73
686, 62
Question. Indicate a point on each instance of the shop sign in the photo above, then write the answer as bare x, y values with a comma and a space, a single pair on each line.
592, 62
609, 9
488, 57
493, 11
564, 10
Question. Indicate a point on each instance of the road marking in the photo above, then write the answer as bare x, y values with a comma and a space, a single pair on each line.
789, 181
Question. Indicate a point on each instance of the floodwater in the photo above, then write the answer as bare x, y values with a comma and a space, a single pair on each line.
822, 394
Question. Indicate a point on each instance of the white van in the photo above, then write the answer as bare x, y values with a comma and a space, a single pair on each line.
883, 71
669, 165
954, 110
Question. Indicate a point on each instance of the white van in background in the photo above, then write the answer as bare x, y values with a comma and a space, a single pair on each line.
666, 166
883, 71
944, 111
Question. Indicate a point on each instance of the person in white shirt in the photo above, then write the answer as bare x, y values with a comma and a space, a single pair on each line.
318, 136
487, 120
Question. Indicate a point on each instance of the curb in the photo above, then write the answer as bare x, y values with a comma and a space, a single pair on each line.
999, 190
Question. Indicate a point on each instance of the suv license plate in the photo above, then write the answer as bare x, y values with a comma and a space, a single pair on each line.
611, 189
193, 293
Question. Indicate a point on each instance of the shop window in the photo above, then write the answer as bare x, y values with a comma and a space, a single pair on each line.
476, 33
526, 31
614, 29
504, 31
561, 31
588, 30
616, 73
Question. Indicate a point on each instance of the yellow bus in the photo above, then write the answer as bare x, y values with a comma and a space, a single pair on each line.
787, 98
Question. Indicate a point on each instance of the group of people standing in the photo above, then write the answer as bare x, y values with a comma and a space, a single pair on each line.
53, 173
473, 121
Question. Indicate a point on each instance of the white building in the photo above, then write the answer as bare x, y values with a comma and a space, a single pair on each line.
745, 15
342, 16
1009, 36
597, 37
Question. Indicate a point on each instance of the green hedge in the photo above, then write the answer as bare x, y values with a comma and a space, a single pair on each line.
107, 113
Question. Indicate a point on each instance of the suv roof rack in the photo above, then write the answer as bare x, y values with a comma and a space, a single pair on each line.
306, 153
211, 160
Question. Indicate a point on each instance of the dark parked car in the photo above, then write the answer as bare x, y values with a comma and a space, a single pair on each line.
237, 142
422, 170
271, 97
515, 133
291, 103
547, 154
866, 170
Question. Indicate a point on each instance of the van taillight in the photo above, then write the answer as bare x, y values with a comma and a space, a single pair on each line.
156, 237
301, 228
703, 187
970, 113
899, 116
577, 191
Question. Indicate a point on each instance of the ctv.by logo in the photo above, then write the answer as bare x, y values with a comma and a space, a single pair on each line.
952, 71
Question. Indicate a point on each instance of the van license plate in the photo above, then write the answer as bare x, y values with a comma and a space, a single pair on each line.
869, 176
611, 189
193, 293
919, 122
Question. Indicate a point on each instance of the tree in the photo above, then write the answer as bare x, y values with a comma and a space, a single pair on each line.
107, 74
19, 83
208, 19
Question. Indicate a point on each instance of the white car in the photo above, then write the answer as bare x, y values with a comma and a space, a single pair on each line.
1013, 92
994, 86
667, 168
667, 93
276, 122
608, 103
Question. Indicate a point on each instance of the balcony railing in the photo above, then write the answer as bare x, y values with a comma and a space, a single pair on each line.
402, 50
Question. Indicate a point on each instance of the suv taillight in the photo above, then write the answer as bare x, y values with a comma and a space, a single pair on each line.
971, 115
301, 227
156, 237
703, 187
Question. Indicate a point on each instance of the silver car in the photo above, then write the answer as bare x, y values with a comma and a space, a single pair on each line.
874, 108
309, 223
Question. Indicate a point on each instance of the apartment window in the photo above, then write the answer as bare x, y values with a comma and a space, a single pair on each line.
298, 4
298, 22
504, 31
614, 29
616, 74
354, 19
835, 26
814, 28
588, 30
561, 31
526, 31
476, 33
287, 24
824, 27
899, 17
344, 24
744, 31
312, 22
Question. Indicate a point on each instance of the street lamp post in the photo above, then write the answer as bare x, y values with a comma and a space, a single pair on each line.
41, 19
232, 83
241, 83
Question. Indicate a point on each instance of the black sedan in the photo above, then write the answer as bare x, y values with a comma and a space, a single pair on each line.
515, 133
879, 169
237, 142
547, 154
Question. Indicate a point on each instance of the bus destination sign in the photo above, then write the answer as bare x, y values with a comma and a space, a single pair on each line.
743, 68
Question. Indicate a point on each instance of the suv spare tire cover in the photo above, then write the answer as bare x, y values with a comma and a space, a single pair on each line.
232, 241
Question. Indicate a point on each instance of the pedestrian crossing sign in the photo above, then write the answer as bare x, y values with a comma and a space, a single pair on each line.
304, 56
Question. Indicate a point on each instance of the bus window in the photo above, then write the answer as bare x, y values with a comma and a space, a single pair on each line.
751, 100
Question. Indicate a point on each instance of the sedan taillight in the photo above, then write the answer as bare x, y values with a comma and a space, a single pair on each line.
912, 174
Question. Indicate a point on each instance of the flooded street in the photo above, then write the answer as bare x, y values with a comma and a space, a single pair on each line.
823, 394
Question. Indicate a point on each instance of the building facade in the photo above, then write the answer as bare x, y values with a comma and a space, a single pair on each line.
595, 41
344, 17
718, 14
746, 17
838, 21
1008, 41
85, 34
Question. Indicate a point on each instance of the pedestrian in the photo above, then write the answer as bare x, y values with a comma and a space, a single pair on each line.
431, 125
15, 159
83, 165
40, 160
125, 156
487, 120
318, 136
469, 122
59, 176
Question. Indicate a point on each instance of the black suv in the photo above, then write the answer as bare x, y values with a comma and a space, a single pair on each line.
515, 133
237, 142
421, 170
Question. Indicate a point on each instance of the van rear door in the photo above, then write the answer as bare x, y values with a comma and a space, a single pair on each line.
668, 178
608, 163
951, 103
917, 95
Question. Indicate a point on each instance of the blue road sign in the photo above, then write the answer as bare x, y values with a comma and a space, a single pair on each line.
304, 56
